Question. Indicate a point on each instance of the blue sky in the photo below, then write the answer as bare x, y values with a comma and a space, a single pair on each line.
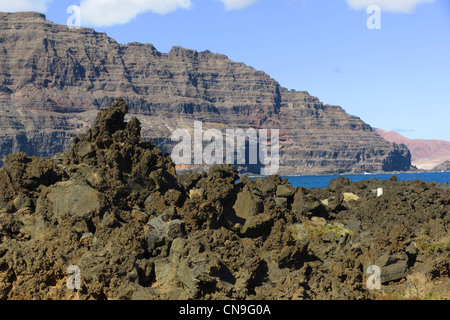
394, 78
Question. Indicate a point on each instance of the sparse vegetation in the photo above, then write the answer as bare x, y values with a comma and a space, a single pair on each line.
317, 228
418, 286
425, 244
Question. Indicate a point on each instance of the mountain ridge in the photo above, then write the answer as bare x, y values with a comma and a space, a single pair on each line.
426, 154
54, 82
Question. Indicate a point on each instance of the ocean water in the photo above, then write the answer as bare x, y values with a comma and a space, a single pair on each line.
323, 181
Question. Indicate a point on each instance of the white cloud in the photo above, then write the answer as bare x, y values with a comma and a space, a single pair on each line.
111, 12
237, 4
24, 5
406, 6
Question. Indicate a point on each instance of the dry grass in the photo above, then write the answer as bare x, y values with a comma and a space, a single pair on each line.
418, 286
316, 228
425, 244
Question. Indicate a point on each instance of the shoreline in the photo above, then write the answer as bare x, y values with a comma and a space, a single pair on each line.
347, 174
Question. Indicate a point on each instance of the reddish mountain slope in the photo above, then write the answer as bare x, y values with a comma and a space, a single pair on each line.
53, 81
426, 154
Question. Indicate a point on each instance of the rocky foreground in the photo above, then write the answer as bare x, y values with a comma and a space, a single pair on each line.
114, 206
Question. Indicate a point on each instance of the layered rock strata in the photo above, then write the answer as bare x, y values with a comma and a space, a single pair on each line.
53, 81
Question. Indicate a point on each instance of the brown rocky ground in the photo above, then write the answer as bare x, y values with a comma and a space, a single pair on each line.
114, 206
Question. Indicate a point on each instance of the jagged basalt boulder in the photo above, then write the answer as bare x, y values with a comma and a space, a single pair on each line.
74, 197
22, 178
306, 204
112, 157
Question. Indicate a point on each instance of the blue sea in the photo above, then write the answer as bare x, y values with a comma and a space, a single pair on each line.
323, 181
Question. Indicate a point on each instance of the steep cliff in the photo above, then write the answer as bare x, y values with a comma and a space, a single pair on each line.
53, 81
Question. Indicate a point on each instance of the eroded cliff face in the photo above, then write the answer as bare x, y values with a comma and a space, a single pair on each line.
53, 81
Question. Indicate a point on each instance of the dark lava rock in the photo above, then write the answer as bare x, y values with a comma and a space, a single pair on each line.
114, 206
